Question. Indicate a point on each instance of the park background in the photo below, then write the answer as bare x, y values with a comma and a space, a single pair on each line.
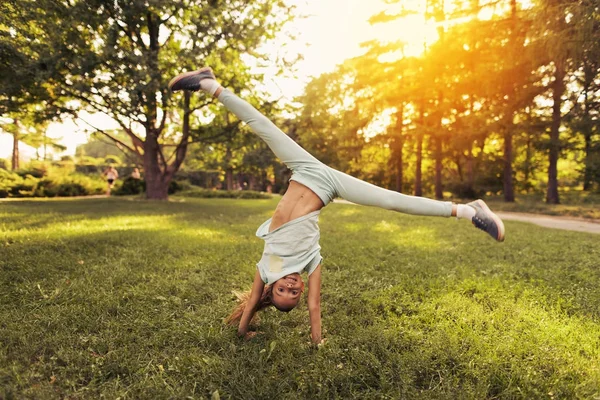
449, 99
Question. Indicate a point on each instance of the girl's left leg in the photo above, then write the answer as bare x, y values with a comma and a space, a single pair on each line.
360, 192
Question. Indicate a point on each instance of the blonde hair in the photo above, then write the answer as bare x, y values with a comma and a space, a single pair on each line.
243, 298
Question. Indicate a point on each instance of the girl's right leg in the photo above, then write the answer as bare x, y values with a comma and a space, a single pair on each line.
288, 151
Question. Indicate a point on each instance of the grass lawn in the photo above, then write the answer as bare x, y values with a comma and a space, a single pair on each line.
121, 298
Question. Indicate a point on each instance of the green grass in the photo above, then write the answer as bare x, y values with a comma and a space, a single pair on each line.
121, 298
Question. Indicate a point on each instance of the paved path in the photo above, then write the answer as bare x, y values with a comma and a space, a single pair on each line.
548, 221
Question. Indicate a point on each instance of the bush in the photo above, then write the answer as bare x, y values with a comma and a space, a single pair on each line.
88, 169
7, 181
131, 186
229, 194
45, 188
14, 185
179, 186
71, 189
34, 171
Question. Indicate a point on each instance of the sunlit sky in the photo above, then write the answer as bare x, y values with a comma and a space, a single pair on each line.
332, 32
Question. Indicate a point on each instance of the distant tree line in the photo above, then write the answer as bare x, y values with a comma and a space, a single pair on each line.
505, 104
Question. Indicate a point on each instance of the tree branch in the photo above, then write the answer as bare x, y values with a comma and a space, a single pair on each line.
181, 149
137, 142
108, 135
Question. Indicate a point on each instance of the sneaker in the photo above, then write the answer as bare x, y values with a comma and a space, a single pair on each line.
191, 80
487, 221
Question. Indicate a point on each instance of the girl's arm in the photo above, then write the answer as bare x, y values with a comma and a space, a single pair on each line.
314, 304
255, 295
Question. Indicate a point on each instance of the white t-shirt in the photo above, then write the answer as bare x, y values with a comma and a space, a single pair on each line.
293, 247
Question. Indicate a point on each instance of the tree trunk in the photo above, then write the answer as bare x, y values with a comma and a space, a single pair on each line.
439, 194
399, 147
558, 88
527, 166
587, 173
228, 169
509, 191
470, 170
15, 152
157, 187
440, 16
418, 173
507, 181
399, 167
157, 174
587, 131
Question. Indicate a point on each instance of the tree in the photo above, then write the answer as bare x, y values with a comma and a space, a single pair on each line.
563, 30
331, 120
116, 58
27, 64
24, 127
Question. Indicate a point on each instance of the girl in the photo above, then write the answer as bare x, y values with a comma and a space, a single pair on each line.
111, 176
291, 235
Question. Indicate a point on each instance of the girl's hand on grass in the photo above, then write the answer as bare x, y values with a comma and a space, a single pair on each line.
250, 335
319, 344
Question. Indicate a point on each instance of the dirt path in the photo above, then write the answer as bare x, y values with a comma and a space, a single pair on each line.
556, 222
547, 221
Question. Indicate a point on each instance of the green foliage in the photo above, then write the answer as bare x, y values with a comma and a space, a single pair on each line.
36, 171
177, 185
131, 186
15, 185
57, 184
99, 148
482, 90
199, 177
109, 298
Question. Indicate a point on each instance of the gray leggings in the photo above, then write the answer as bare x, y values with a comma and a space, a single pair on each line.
325, 181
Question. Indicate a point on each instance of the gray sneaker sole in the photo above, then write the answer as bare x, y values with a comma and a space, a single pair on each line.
496, 219
190, 73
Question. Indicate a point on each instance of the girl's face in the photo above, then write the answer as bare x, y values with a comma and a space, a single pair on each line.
287, 291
